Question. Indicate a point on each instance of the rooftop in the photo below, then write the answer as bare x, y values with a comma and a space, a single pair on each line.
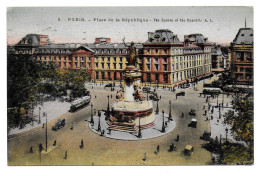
244, 36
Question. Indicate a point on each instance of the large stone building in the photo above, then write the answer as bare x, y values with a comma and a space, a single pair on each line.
169, 61
242, 56
161, 59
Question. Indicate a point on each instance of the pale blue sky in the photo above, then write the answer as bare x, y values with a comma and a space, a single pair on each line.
226, 22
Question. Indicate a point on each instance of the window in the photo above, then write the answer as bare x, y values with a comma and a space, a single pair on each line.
238, 55
157, 67
148, 66
120, 66
165, 67
248, 55
148, 77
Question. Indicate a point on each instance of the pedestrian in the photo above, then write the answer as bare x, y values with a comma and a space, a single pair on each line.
211, 117
31, 149
205, 112
95, 96
66, 155
71, 128
92, 87
178, 137
203, 106
182, 114
166, 124
160, 97
40, 147
158, 148
111, 96
81, 144
43, 125
54, 143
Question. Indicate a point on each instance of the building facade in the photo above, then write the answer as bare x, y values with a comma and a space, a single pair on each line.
242, 57
162, 59
169, 61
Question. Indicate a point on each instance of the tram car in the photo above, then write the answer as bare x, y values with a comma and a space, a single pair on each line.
79, 103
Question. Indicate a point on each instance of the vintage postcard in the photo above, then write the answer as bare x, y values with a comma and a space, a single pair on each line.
130, 86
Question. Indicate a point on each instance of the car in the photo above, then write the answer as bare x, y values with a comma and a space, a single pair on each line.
206, 135
59, 124
192, 112
193, 123
188, 150
180, 94
109, 85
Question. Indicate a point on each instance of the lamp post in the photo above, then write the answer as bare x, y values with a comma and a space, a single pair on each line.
91, 115
46, 135
217, 100
219, 115
39, 115
157, 108
99, 127
163, 127
139, 131
226, 133
108, 109
223, 101
170, 111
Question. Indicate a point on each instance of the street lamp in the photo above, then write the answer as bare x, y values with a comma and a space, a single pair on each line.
39, 115
157, 108
139, 132
170, 111
91, 115
46, 136
108, 109
219, 112
99, 127
226, 133
163, 127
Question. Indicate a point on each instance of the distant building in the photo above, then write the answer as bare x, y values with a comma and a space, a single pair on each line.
161, 59
218, 61
242, 56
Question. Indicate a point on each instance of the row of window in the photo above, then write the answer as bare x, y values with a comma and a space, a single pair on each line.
242, 56
175, 51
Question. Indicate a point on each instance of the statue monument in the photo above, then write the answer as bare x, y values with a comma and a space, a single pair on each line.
131, 112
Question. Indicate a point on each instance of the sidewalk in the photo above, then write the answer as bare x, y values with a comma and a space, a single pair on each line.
53, 110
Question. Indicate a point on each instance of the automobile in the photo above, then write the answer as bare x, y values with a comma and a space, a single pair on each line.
59, 124
146, 89
109, 85
180, 94
206, 135
154, 96
188, 150
193, 123
192, 112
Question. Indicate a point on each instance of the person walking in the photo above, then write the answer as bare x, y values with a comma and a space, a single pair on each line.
31, 149
66, 155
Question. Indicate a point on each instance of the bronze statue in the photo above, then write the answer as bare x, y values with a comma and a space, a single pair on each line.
133, 53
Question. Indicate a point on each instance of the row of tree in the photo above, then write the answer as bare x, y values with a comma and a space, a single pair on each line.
27, 79
242, 128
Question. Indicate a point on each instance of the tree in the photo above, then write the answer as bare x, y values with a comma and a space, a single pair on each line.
242, 127
23, 77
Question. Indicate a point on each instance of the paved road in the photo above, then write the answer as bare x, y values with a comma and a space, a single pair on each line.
103, 151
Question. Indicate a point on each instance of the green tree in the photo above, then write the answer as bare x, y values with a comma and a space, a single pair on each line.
242, 126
